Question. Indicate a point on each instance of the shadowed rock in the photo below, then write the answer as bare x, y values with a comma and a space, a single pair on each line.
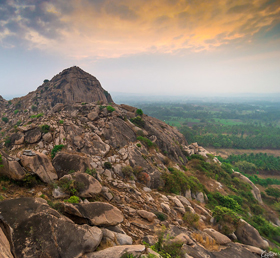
95, 213
36, 230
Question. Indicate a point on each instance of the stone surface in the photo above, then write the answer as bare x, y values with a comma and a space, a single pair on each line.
95, 213
117, 251
88, 186
66, 162
248, 235
39, 165
35, 229
32, 136
5, 248
147, 215
220, 238
12, 169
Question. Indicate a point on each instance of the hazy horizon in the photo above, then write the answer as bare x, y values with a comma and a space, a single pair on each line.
155, 47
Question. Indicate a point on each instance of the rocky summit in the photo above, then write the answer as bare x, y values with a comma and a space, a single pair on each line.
81, 176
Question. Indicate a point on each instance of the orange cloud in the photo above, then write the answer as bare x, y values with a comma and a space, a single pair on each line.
108, 28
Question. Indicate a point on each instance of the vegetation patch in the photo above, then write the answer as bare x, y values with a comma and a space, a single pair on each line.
145, 140
177, 182
138, 121
55, 149
110, 109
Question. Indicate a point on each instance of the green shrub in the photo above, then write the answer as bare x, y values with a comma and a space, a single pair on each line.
139, 112
145, 140
37, 116
30, 180
46, 81
91, 172
177, 182
101, 107
5, 119
196, 156
191, 218
45, 128
227, 218
110, 109
55, 149
138, 145
16, 111
61, 122
71, 187
1, 161
127, 171
73, 199
8, 142
161, 216
34, 108
107, 165
138, 121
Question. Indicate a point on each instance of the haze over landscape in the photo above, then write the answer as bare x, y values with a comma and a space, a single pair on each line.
147, 47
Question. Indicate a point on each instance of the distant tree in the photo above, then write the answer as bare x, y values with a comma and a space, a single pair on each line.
46, 80
5, 119
139, 112
274, 192
246, 167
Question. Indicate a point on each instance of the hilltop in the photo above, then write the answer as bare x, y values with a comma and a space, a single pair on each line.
84, 177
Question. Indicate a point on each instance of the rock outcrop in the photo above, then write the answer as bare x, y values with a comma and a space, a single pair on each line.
34, 229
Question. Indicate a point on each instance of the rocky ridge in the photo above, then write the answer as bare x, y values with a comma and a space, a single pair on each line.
100, 170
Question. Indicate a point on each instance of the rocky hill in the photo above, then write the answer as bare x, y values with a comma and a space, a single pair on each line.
81, 176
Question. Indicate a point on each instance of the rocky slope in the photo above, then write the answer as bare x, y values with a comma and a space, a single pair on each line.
82, 178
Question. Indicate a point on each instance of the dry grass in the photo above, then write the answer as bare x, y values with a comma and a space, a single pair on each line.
208, 242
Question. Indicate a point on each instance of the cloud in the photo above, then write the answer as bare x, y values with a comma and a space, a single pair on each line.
108, 28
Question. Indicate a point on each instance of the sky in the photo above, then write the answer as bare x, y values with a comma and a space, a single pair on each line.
156, 47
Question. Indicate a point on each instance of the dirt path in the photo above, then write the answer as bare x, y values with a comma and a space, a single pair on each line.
226, 152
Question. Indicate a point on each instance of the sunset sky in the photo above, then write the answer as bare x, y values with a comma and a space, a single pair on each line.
154, 47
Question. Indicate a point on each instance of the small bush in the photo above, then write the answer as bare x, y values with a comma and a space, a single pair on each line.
8, 142
227, 218
107, 165
46, 81
37, 116
139, 112
1, 161
45, 128
161, 216
91, 172
16, 111
127, 171
73, 199
55, 149
110, 109
5, 119
138, 145
191, 219
145, 140
61, 122
138, 121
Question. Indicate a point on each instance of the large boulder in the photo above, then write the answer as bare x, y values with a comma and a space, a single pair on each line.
36, 230
5, 248
12, 169
119, 133
255, 190
118, 251
40, 165
66, 162
88, 186
32, 136
248, 235
219, 237
94, 213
